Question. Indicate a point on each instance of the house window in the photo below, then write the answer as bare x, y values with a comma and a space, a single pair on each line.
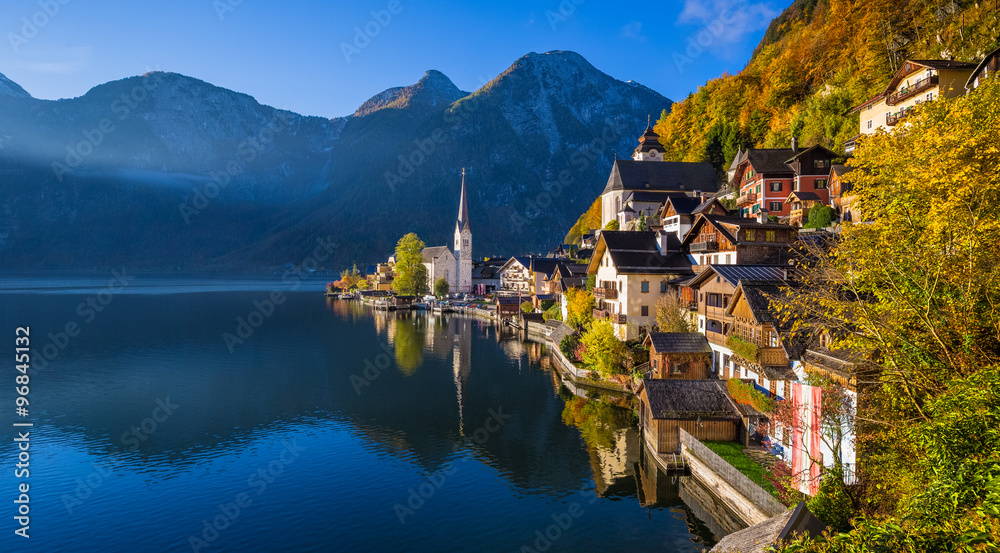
663, 287
869, 122
714, 326
821, 164
930, 96
619, 286
750, 235
645, 286
728, 260
775, 206
776, 186
655, 363
820, 184
701, 324
644, 311
675, 368
769, 236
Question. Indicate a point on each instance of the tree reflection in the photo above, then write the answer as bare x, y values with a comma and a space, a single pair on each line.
409, 346
597, 420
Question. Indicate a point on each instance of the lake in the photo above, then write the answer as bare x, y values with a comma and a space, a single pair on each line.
250, 415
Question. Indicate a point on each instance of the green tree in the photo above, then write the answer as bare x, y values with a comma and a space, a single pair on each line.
612, 225
641, 223
821, 216
605, 353
526, 307
553, 312
441, 287
411, 273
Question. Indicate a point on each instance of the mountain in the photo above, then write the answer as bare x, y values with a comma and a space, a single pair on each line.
163, 171
818, 59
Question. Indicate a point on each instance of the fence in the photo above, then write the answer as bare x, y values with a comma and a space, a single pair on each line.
739, 481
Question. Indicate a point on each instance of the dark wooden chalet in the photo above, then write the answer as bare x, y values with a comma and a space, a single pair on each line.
679, 355
712, 291
701, 407
755, 337
800, 203
737, 240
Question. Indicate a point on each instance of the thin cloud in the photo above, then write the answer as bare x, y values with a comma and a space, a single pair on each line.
633, 31
737, 18
54, 61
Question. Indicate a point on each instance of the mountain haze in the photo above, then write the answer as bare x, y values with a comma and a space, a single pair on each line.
163, 171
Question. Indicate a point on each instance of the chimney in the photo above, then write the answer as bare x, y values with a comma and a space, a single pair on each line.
762, 216
795, 144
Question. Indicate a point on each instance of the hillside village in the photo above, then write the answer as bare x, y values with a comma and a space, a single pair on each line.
685, 271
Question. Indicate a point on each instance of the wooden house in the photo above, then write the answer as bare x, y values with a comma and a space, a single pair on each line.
679, 212
713, 290
765, 176
701, 407
508, 307
800, 203
679, 355
755, 337
989, 66
915, 82
715, 240
840, 194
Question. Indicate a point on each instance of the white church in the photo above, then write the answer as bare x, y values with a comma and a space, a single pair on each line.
454, 265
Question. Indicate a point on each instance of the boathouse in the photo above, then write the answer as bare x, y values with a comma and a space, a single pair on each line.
701, 407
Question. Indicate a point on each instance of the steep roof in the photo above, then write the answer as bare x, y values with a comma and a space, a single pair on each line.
685, 205
545, 265
649, 196
434, 252
723, 224
740, 157
816, 147
982, 65
910, 67
689, 399
636, 252
770, 160
758, 294
649, 140
805, 196
678, 342
677, 176
463, 208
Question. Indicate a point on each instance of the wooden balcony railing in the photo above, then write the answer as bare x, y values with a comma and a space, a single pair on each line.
745, 199
717, 338
709, 246
605, 293
618, 318
892, 118
600, 314
916, 88
773, 357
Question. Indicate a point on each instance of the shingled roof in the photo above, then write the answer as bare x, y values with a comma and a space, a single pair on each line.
689, 399
770, 160
678, 342
675, 176
685, 205
434, 252
755, 539
636, 252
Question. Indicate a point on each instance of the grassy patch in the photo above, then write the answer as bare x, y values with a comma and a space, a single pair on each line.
733, 454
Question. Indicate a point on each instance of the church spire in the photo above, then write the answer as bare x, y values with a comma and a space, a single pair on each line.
463, 207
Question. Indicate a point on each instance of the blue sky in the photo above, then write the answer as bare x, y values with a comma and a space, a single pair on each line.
307, 56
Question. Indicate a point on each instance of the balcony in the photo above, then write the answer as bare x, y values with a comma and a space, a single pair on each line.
892, 118
773, 357
709, 246
600, 314
716, 338
798, 216
911, 91
605, 293
746, 199
618, 318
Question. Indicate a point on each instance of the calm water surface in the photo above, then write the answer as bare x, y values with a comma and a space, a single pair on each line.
316, 426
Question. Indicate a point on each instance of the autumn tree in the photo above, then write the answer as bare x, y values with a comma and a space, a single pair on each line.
411, 273
670, 317
605, 353
914, 294
579, 307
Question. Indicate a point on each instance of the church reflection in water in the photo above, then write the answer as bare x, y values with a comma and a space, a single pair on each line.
619, 463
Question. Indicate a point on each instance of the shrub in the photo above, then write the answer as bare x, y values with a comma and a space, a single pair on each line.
526, 307
832, 503
568, 346
553, 312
